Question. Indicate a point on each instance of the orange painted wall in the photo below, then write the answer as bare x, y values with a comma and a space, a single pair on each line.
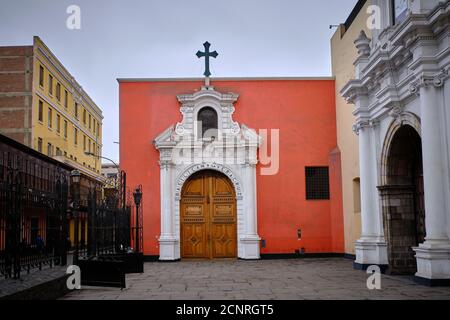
304, 112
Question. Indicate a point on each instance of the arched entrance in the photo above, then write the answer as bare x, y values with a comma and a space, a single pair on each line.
403, 199
208, 228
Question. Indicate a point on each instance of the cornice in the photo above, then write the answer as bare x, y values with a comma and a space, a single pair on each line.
58, 66
208, 92
354, 89
188, 79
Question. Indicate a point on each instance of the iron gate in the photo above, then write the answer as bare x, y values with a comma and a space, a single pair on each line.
109, 255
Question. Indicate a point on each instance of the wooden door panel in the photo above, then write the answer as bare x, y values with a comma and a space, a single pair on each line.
223, 240
222, 187
223, 228
194, 241
195, 187
208, 217
193, 231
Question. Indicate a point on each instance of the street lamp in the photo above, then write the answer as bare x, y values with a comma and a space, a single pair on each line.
101, 157
90, 154
75, 175
137, 194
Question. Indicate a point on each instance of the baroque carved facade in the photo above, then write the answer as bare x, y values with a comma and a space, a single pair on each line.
232, 151
401, 86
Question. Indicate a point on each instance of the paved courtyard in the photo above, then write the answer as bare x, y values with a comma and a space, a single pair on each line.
267, 279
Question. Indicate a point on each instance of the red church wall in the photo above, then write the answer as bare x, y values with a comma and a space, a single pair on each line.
303, 111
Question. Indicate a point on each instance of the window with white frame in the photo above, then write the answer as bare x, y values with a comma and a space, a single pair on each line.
400, 10
207, 122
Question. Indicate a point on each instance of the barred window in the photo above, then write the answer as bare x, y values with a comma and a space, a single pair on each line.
317, 183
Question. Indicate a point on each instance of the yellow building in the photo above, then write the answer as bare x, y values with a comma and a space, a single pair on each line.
344, 54
43, 106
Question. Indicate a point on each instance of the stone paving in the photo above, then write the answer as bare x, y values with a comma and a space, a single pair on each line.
27, 281
300, 279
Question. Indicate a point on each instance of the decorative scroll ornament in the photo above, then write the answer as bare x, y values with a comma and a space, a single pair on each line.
396, 112
424, 81
362, 124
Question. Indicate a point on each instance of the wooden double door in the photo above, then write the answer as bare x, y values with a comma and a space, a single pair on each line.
208, 217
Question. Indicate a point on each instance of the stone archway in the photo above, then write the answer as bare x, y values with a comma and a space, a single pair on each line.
247, 239
402, 196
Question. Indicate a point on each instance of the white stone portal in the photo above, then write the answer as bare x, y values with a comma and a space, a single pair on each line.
232, 150
401, 74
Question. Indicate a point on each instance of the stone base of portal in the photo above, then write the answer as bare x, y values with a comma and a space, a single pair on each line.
250, 247
371, 252
433, 263
169, 248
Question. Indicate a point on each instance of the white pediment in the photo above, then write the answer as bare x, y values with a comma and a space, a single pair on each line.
181, 142
191, 104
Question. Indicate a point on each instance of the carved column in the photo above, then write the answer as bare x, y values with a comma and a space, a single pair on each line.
168, 243
433, 256
250, 240
371, 248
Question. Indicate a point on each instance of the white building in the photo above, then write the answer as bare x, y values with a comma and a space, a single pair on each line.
402, 96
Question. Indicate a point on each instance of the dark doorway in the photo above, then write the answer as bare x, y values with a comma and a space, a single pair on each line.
403, 200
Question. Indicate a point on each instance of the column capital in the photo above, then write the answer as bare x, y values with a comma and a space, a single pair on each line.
362, 124
165, 165
250, 164
426, 80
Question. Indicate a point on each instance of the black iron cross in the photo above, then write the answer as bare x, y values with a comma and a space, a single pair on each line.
207, 54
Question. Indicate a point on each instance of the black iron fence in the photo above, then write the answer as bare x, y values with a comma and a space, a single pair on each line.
33, 207
108, 228
48, 211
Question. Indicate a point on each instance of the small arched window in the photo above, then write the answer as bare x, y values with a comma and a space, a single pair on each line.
207, 123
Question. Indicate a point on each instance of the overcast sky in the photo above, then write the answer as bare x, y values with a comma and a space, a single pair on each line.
159, 38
